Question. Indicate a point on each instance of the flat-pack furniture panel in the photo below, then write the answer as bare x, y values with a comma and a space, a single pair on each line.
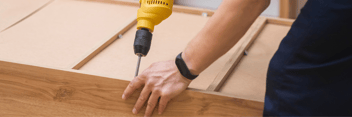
248, 79
37, 91
63, 32
169, 39
13, 11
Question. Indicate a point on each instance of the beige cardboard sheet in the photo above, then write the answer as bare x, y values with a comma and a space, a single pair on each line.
62, 32
169, 39
248, 80
13, 11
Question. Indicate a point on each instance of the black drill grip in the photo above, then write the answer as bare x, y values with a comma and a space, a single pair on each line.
142, 42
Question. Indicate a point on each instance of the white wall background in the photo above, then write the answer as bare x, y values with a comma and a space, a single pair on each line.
271, 11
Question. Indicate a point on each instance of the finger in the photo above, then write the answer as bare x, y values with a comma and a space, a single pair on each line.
153, 100
162, 103
142, 99
134, 84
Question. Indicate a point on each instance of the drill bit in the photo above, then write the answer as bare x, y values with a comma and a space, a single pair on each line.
138, 64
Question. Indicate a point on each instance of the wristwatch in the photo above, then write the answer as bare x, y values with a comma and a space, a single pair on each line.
182, 67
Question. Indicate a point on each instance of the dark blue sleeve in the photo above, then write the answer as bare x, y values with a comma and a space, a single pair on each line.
311, 72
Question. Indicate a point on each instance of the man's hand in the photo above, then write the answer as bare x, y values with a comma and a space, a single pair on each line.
161, 79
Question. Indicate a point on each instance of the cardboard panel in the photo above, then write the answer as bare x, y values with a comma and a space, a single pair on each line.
13, 11
248, 80
169, 39
63, 32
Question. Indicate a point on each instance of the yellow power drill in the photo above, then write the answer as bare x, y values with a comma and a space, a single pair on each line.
150, 13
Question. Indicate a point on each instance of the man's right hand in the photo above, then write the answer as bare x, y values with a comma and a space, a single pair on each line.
161, 79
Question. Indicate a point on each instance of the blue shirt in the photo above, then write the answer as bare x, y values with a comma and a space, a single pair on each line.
311, 72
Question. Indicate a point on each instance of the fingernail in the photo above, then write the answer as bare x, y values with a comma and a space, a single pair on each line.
124, 97
134, 111
159, 113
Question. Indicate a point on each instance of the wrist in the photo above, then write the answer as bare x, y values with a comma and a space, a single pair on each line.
183, 68
190, 64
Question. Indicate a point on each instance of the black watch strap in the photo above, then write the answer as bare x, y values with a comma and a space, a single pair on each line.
182, 67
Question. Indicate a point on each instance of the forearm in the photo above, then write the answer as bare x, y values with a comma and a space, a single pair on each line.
229, 23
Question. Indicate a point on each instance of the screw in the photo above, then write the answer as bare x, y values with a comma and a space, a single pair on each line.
204, 14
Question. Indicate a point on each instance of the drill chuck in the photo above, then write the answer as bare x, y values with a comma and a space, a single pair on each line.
142, 42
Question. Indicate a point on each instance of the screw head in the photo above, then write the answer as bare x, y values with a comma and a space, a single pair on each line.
204, 14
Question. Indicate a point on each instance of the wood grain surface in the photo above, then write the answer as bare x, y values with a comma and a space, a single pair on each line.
14, 11
248, 79
36, 91
63, 32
